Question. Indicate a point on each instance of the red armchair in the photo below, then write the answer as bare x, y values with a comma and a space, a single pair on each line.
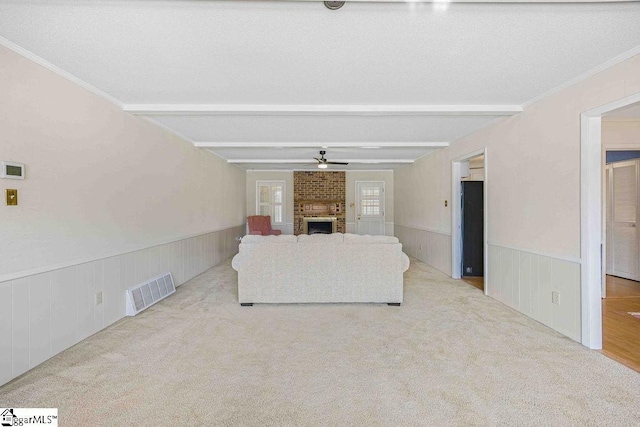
261, 225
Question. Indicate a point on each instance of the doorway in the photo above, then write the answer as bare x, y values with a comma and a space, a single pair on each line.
592, 219
370, 207
469, 219
472, 233
621, 285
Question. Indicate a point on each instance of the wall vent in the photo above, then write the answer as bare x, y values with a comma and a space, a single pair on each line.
148, 293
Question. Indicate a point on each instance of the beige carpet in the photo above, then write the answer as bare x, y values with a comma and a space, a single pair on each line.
447, 356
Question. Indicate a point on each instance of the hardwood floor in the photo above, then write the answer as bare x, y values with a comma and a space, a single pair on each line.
620, 330
478, 282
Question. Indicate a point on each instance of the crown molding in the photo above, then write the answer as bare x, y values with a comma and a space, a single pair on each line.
584, 76
57, 70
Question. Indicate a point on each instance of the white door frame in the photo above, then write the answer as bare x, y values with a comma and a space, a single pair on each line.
383, 204
456, 216
591, 232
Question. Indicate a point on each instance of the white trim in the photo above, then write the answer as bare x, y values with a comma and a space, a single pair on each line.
364, 161
548, 255
591, 218
428, 230
584, 76
319, 145
61, 265
323, 109
59, 71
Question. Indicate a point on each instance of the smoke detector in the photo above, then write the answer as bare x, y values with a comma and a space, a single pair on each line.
334, 5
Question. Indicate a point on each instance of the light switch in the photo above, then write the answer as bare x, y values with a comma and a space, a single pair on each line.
12, 197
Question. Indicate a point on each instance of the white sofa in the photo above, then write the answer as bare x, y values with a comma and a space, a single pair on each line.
320, 268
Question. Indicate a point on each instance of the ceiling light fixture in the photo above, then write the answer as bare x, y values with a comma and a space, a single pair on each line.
323, 166
334, 5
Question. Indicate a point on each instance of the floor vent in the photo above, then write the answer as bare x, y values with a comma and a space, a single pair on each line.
146, 294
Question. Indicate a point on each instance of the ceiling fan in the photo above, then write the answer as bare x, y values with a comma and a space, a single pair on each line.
322, 162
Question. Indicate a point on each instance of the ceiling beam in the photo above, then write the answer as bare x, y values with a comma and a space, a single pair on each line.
321, 110
303, 161
320, 144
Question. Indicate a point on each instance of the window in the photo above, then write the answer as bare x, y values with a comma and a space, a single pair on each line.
270, 200
370, 200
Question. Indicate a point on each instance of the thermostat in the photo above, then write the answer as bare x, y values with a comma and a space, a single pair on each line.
12, 170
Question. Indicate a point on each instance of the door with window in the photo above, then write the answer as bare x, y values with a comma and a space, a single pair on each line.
270, 200
370, 207
622, 210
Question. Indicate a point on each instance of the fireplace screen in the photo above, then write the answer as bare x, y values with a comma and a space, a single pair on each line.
320, 225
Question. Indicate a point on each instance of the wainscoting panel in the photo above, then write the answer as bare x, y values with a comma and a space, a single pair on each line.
20, 329
388, 228
46, 313
5, 328
430, 247
525, 281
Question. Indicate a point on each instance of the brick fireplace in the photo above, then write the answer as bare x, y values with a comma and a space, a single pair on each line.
319, 194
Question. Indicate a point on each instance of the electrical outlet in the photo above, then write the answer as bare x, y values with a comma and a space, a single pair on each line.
98, 298
555, 298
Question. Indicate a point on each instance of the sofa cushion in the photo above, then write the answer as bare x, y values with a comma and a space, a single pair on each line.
283, 238
358, 239
321, 238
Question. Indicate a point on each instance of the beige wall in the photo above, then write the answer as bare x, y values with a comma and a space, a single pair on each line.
99, 181
420, 191
287, 176
533, 169
533, 178
621, 133
387, 178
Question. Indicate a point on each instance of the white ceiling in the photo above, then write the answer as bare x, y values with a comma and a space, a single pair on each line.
244, 78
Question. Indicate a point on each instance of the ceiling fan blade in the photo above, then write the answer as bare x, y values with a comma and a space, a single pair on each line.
319, 160
337, 163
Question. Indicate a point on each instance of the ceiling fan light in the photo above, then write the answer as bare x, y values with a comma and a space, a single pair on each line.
322, 166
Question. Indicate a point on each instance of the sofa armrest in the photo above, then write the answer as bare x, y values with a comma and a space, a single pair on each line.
405, 262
